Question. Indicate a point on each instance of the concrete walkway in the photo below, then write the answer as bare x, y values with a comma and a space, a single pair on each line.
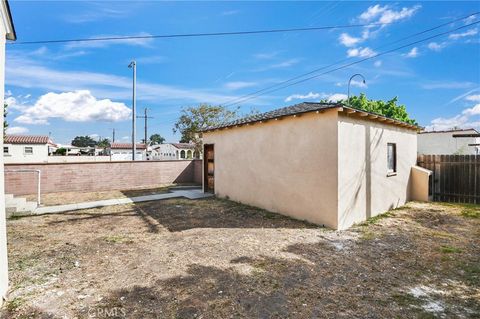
188, 193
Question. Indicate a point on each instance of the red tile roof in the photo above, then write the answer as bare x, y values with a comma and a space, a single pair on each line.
126, 146
27, 139
183, 145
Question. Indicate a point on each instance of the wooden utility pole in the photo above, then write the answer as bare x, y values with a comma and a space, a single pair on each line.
145, 117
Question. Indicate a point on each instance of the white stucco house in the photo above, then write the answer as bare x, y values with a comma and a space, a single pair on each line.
7, 32
123, 152
449, 142
173, 151
27, 148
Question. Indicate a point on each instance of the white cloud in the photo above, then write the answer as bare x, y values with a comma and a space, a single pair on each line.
337, 97
26, 73
385, 14
470, 19
143, 40
475, 110
285, 64
468, 118
77, 106
377, 63
473, 97
348, 40
265, 55
17, 130
230, 12
94, 136
468, 33
361, 52
358, 84
318, 96
126, 138
239, 85
447, 85
413, 53
434, 46
308, 96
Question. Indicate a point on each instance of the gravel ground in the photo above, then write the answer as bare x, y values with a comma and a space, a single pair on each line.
214, 258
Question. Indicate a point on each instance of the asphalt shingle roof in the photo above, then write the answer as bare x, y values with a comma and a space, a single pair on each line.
285, 111
27, 139
300, 108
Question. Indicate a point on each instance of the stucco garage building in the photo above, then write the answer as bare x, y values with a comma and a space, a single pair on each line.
325, 163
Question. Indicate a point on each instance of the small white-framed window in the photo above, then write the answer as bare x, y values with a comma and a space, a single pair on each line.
391, 158
6, 151
28, 150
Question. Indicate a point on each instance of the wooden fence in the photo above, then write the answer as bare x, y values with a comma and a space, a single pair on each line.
456, 178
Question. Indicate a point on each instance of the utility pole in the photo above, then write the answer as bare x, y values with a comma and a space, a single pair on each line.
133, 65
146, 117
113, 135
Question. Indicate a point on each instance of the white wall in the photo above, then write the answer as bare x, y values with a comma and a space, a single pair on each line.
364, 189
126, 155
16, 153
3, 229
166, 152
443, 143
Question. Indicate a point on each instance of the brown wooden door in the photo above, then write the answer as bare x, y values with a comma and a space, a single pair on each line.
209, 168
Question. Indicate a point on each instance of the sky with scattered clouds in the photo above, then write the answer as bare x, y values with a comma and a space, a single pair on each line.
84, 88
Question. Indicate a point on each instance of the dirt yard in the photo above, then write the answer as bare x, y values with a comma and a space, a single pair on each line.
63, 198
217, 259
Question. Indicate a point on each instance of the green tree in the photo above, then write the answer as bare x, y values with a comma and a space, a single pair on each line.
193, 119
156, 139
389, 108
83, 141
105, 142
61, 151
5, 123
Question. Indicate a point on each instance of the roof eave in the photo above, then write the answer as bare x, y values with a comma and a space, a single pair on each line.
9, 26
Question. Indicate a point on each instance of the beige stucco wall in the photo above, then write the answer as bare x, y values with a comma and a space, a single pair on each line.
3, 229
287, 166
364, 189
419, 184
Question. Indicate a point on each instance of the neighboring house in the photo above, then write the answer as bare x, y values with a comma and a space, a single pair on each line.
7, 32
27, 148
123, 152
449, 142
326, 163
173, 151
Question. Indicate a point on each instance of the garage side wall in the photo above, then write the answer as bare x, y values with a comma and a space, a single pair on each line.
364, 189
286, 166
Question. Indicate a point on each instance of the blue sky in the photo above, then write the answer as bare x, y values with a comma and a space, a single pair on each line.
84, 88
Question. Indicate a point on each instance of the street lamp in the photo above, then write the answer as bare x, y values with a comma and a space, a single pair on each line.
350, 81
133, 65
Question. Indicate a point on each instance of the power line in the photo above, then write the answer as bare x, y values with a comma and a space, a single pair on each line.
241, 98
355, 62
191, 35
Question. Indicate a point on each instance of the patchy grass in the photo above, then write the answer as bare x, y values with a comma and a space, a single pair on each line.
14, 304
450, 249
214, 258
376, 219
116, 239
473, 212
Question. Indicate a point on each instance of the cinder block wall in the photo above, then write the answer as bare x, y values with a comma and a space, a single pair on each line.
100, 176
